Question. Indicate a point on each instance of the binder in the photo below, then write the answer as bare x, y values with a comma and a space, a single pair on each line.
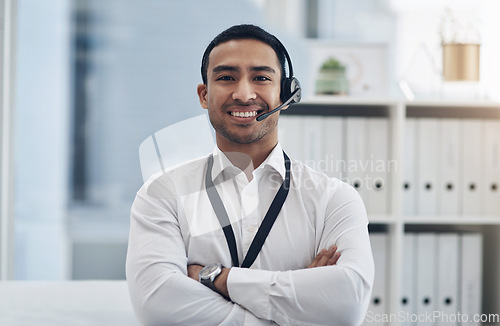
447, 277
449, 167
426, 270
290, 131
427, 152
407, 302
355, 128
335, 164
313, 141
472, 159
491, 181
409, 169
379, 298
471, 268
377, 154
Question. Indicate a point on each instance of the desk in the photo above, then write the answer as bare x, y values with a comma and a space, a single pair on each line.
71, 303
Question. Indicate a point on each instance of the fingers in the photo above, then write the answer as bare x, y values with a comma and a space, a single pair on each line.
316, 260
334, 259
326, 257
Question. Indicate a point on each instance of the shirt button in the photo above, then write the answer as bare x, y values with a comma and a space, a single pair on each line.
251, 228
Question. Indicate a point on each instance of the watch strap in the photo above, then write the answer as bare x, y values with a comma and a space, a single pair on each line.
210, 284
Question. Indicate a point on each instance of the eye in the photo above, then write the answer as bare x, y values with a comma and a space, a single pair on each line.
262, 78
225, 78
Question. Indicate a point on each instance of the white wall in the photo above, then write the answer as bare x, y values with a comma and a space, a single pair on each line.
418, 46
410, 29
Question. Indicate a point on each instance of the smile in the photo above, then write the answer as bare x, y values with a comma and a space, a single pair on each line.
245, 114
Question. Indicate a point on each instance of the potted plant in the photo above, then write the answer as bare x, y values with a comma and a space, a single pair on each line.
332, 78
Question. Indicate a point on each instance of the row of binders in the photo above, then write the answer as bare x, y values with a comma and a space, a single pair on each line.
353, 149
449, 166
442, 272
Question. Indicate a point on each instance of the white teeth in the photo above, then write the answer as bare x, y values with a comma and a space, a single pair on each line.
245, 114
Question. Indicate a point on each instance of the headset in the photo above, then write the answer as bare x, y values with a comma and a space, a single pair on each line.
291, 91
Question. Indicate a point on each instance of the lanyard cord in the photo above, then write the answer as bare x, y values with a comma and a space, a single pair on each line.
267, 222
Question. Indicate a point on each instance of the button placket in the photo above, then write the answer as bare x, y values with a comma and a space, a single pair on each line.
250, 214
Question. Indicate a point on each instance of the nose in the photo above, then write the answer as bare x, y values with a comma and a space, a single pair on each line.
244, 91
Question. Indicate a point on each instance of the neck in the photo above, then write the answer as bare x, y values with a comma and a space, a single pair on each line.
246, 157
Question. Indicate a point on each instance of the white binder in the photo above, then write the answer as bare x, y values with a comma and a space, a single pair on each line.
335, 164
447, 277
377, 154
409, 169
355, 128
449, 167
407, 303
471, 278
491, 203
472, 160
427, 152
313, 140
426, 273
379, 299
290, 133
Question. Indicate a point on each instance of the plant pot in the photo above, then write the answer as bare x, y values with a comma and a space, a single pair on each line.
332, 82
461, 62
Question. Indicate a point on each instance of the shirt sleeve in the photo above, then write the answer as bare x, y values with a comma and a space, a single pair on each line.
156, 268
330, 295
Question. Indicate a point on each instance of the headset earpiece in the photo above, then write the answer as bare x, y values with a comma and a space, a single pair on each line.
290, 88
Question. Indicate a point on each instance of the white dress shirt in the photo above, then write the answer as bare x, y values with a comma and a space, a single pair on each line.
174, 225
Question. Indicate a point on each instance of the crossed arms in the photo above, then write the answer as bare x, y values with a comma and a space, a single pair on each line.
324, 258
335, 289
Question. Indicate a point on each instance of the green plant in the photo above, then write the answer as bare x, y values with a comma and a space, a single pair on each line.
332, 64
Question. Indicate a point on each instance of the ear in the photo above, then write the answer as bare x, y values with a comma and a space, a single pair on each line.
202, 95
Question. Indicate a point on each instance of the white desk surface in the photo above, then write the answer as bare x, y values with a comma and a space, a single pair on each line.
71, 303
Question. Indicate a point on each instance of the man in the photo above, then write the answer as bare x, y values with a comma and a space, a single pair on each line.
315, 265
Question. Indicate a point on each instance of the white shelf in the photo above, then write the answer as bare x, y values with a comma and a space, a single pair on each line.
349, 100
397, 111
381, 219
436, 220
465, 104
452, 220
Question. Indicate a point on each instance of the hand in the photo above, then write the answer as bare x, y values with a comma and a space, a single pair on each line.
194, 271
221, 282
326, 258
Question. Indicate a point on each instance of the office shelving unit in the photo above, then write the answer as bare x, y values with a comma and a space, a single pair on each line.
395, 223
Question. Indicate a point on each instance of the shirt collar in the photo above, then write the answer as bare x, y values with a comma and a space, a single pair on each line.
274, 160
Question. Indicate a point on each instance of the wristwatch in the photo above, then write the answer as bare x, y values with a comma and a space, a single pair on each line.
208, 274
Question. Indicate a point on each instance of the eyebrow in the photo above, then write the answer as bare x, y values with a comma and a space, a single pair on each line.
263, 68
225, 68
233, 68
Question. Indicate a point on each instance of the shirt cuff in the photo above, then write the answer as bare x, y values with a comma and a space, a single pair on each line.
250, 289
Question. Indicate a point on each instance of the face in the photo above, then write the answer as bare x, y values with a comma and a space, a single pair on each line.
243, 81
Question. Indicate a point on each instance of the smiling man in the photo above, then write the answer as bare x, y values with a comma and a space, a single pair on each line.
305, 252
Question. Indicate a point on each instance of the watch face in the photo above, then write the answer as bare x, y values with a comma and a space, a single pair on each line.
208, 270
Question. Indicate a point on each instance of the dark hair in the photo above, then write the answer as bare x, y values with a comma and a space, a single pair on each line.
244, 31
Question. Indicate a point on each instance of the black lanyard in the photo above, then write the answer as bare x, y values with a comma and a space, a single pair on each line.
267, 222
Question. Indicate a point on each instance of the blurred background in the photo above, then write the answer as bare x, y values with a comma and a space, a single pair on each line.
92, 79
